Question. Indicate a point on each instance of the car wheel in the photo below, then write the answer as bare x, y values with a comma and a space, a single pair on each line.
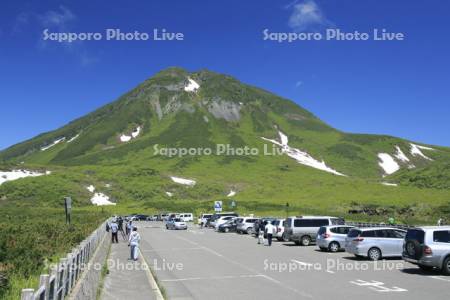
227, 229
446, 266
306, 240
374, 254
334, 247
425, 268
249, 230
285, 238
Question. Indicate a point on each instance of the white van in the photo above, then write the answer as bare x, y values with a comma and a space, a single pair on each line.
187, 217
303, 229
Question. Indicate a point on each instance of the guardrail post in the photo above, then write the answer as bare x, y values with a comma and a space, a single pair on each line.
53, 282
27, 294
44, 280
63, 277
69, 273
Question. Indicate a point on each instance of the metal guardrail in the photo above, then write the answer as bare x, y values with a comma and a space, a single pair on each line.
64, 275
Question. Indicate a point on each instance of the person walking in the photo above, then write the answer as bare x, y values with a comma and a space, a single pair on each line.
129, 227
114, 230
270, 230
133, 242
261, 233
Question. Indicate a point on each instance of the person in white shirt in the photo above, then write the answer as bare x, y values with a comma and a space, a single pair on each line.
133, 242
270, 230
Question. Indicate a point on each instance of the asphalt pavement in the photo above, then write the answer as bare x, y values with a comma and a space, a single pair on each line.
203, 264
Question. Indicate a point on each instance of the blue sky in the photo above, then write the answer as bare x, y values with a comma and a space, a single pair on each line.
398, 88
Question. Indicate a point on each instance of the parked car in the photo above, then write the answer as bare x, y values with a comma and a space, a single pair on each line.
163, 217
279, 224
332, 238
141, 217
176, 223
428, 247
223, 220
152, 218
229, 226
375, 243
302, 230
187, 217
203, 218
245, 225
212, 221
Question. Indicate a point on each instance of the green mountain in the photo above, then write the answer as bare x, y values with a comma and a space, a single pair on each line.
310, 164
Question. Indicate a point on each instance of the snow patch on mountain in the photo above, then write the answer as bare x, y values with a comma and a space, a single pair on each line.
389, 184
183, 181
134, 134
388, 163
17, 174
231, 193
415, 150
73, 138
400, 155
301, 157
169, 194
91, 188
100, 199
192, 86
55, 142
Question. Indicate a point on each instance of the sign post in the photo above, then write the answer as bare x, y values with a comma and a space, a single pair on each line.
217, 206
287, 209
68, 208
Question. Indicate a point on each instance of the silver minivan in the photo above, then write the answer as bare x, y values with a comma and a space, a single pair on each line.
302, 230
428, 247
375, 242
332, 238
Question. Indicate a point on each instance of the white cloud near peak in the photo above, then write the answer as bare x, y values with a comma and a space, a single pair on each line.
307, 15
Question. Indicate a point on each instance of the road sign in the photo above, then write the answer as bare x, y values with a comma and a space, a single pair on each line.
217, 205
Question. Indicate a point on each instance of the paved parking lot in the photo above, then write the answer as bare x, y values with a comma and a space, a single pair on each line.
203, 264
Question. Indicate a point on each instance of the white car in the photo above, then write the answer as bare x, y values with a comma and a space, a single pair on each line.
222, 220
279, 224
176, 224
246, 225
187, 217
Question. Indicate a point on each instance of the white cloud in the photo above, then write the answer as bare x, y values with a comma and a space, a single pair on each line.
298, 83
58, 20
307, 15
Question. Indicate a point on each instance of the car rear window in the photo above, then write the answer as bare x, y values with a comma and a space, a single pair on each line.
441, 236
416, 235
354, 233
323, 229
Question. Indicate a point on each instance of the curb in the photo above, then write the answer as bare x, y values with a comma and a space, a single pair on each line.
151, 279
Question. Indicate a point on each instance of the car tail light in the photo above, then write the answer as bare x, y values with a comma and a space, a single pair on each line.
326, 235
427, 250
358, 239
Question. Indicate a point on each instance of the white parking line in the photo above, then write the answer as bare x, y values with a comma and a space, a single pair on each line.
440, 278
377, 286
301, 263
249, 269
212, 277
